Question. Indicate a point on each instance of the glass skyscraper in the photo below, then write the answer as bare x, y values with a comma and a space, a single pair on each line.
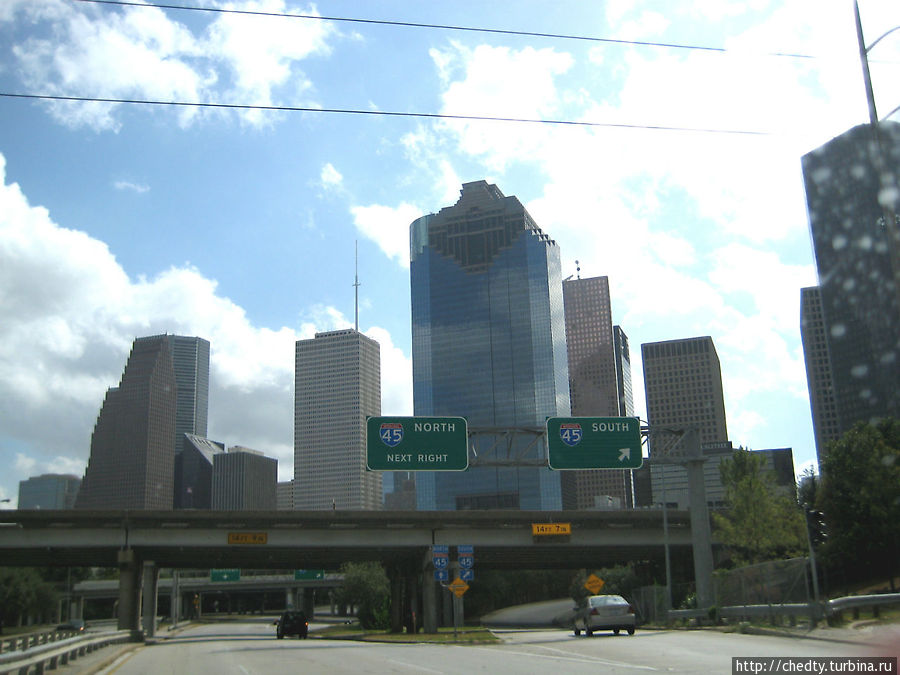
488, 334
599, 386
852, 197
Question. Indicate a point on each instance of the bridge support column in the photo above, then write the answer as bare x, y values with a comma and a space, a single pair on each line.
129, 590
309, 602
412, 608
150, 576
701, 534
430, 596
395, 578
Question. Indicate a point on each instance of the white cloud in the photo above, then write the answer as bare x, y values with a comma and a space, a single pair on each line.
330, 176
388, 227
261, 51
499, 82
396, 375
125, 185
143, 53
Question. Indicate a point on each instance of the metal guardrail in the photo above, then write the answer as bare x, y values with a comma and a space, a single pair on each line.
29, 640
51, 653
815, 610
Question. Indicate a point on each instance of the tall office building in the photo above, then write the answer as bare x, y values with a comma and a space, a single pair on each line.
244, 480
599, 371
818, 371
190, 360
852, 197
132, 460
488, 341
337, 385
683, 386
193, 472
48, 491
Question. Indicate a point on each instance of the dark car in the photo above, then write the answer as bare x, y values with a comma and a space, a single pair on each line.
292, 623
72, 626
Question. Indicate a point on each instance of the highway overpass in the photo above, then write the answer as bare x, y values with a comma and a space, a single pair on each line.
139, 543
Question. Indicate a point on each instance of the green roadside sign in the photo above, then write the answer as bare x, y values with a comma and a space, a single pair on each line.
225, 575
594, 442
417, 444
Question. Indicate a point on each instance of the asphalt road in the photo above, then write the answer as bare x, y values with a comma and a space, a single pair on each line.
251, 649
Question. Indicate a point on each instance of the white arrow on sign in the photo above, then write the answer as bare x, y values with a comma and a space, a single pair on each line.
624, 453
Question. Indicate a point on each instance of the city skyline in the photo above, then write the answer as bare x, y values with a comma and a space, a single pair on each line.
123, 220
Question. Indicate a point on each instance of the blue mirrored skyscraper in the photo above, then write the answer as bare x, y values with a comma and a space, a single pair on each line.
488, 340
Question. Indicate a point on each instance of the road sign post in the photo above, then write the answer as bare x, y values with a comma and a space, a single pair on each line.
594, 442
417, 444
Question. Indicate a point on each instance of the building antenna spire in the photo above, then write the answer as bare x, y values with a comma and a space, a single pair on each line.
356, 286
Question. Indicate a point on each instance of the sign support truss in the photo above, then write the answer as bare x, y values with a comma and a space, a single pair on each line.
508, 446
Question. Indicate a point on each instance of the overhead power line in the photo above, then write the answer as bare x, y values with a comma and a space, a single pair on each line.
384, 113
438, 26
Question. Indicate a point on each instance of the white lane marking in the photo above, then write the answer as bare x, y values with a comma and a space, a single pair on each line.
412, 665
565, 656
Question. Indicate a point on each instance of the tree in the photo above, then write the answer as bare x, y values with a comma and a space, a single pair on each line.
860, 497
366, 585
758, 523
23, 594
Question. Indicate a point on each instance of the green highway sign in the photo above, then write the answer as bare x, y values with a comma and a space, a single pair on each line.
594, 442
225, 575
417, 444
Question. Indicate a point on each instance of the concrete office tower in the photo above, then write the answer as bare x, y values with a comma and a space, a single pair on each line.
337, 381
244, 480
683, 386
48, 491
599, 368
193, 472
818, 371
190, 359
132, 463
852, 199
284, 496
488, 340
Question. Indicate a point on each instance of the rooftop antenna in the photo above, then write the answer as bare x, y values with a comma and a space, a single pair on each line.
356, 286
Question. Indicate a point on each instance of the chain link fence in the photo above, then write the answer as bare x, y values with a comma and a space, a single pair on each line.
778, 582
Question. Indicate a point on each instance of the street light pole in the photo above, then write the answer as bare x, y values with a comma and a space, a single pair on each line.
864, 57
887, 179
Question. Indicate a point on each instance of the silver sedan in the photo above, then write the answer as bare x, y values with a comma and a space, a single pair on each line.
604, 612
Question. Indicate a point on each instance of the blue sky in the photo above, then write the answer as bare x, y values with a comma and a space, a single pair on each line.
121, 220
